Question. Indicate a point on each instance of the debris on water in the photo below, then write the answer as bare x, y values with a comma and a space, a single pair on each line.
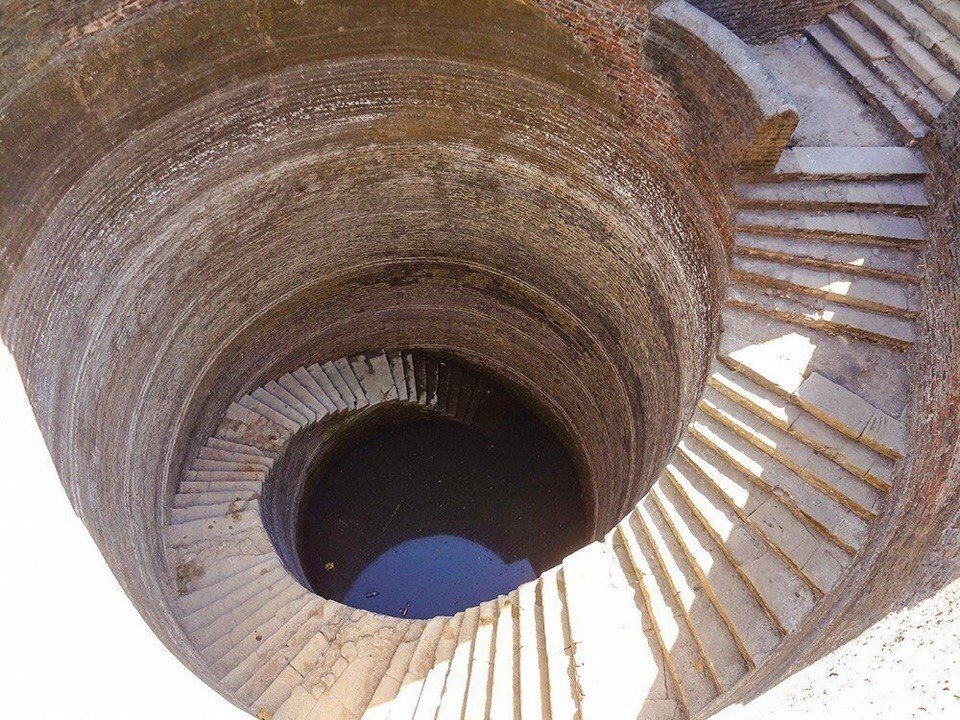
406, 609
371, 594
328, 566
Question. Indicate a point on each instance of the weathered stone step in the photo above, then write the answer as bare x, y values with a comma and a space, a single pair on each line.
199, 618
755, 630
814, 554
235, 451
454, 693
505, 675
195, 497
850, 163
926, 46
563, 699
534, 689
481, 662
381, 703
424, 656
269, 683
854, 456
690, 667
897, 112
880, 261
906, 198
329, 380
613, 646
206, 530
398, 372
348, 377
780, 355
814, 312
238, 574
825, 513
204, 511
946, 12
429, 703
301, 386
836, 225
884, 62
781, 590
877, 294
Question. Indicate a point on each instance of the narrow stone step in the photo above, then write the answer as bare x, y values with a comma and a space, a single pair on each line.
208, 563
405, 704
779, 355
270, 577
229, 466
858, 227
613, 644
884, 62
345, 370
815, 555
894, 196
420, 373
293, 412
366, 646
375, 376
215, 444
455, 688
306, 390
849, 257
556, 632
896, 111
242, 426
820, 314
293, 400
241, 573
855, 493
265, 410
395, 359
410, 375
780, 589
270, 682
211, 451
682, 643
181, 515
481, 662
429, 703
505, 677
825, 513
534, 691
883, 296
850, 454
218, 498
194, 531
328, 379
851, 163
433, 378
852, 415
224, 476
946, 12
216, 639
739, 603
942, 58
381, 702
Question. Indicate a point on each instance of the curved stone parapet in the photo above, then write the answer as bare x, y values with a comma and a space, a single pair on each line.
723, 83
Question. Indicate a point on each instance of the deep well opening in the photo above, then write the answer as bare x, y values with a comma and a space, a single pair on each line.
416, 512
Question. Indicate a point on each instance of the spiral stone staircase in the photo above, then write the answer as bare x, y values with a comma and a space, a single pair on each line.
726, 270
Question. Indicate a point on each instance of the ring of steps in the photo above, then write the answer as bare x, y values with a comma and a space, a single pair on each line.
764, 505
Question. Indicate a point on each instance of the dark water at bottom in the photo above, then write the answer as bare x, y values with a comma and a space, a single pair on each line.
425, 516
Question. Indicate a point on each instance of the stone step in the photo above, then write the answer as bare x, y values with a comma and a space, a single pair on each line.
850, 163
301, 386
405, 704
858, 227
901, 118
481, 662
280, 401
505, 676
329, 380
215, 444
269, 577
850, 454
556, 632
195, 497
852, 415
820, 314
239, 573
822, 511
753, 624
243, 426
433, 379
782, 591
876, 294
399, 375
271, 679
692, 636
942, 48
420, 373
197, 531
612, 639
430, 696
454, 693
348, 377
286, 420
206, 564
204, 511
884, 62
780, 355
849, 257
534, 690
382, 699
856, 494
410, 376
375, 377
946, 12
289, 399
896, 196
813, 554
